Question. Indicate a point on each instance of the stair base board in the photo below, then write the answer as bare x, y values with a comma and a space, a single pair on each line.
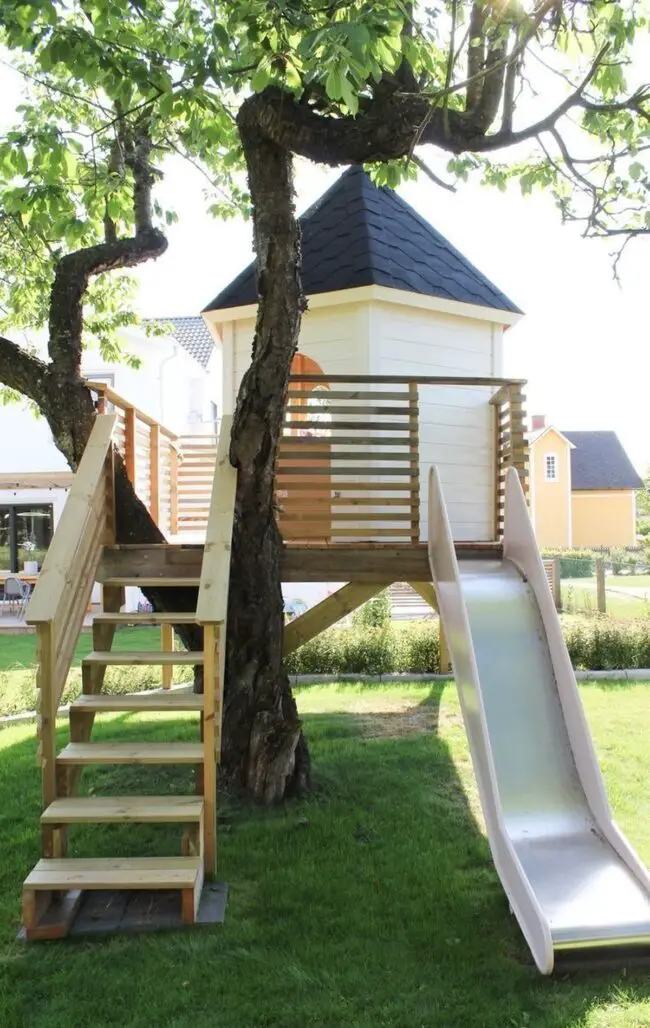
90, 914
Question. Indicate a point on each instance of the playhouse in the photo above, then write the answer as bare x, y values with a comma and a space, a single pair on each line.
403, 458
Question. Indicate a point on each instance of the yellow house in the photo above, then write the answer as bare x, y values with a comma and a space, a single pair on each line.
582, 488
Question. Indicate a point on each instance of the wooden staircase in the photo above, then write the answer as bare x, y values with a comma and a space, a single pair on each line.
81, 553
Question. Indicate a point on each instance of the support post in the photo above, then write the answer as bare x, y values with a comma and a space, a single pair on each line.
445, 658
129, 442
211, 739
601, 595
154, 472
173, 490
167, 646
414, 455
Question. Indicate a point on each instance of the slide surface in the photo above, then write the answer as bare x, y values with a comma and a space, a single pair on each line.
572, 879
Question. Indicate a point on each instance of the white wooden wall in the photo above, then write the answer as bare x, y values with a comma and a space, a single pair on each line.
381, 338
455, 422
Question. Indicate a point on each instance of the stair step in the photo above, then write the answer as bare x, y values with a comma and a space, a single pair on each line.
162, 617
151, 701
131, 753
128, 657
115, 873
151, 581
118, 809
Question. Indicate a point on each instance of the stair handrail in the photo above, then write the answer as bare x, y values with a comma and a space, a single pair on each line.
63, 589
212, 607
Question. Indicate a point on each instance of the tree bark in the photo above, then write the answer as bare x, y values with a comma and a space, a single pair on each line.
264, 750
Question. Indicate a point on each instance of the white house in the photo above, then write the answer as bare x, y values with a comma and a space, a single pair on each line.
178, 383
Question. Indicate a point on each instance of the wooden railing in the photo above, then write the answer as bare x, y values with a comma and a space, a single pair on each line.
212, 614
150, 454
198, 454
62, 594
347, 464
510, 445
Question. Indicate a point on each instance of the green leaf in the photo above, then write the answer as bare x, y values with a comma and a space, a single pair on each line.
261, 78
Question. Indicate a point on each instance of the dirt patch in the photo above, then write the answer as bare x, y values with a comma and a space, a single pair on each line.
398, 724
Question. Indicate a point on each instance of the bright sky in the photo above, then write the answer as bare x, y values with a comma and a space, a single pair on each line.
583, 345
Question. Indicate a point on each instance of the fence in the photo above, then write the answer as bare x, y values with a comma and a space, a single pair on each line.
591, 584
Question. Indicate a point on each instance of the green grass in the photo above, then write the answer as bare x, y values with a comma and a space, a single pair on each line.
579, 597
19, 650
373, 904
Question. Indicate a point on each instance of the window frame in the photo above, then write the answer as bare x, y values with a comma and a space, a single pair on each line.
17, 508
555, 477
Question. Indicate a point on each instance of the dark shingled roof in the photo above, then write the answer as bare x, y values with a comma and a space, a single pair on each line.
193, 335
357, 234
600, 462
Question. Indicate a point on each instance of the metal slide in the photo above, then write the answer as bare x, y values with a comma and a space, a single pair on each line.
572, 879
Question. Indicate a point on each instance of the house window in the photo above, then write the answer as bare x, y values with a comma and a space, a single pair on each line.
550, 467
25, 534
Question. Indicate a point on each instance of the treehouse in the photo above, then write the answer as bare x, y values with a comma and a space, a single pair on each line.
399, 369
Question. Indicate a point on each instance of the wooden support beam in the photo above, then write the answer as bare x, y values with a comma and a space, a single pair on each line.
341, 563
428, 593
211, 738
129, 442
167, 644
154, 472
601, 593
173, 490
327, 613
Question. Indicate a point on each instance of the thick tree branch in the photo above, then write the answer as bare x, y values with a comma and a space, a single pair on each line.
74, 270
22, 371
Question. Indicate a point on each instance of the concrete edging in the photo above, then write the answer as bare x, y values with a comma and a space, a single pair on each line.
631, 675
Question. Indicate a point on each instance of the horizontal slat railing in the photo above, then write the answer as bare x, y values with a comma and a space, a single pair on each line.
510, 445
149, 450
347, 462
62, 593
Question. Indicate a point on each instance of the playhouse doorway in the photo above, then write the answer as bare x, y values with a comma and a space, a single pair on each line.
304, 471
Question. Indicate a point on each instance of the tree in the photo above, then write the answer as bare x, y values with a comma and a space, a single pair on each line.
365, 83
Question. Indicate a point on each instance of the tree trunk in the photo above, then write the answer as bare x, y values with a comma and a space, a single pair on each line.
264, 750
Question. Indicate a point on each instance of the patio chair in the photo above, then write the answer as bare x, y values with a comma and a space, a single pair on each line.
16, 594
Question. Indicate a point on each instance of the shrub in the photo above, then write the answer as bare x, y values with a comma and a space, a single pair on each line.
374, 613
597, 645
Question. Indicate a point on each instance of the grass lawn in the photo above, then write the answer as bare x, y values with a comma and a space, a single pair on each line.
373, 904
579, 596
19, 650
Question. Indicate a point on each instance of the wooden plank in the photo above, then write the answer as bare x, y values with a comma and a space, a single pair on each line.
308, 503
163, 581
336, 455
414, 418
210, 740
154, 473
145, 701
56, 580
173, 491
46, 705
349, 394
131, 753
167, 644
459, 380
120, 809
289, 440
362, 410
48, 916
327, 427
128, 657
212, 605
315, 531
122, 406
427, 592
157, 561
332, 471
297, 514
129, 442
115, 873
162, 617
327, 613
381, 564
364, 486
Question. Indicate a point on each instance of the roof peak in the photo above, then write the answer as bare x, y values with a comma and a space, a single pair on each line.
359, 234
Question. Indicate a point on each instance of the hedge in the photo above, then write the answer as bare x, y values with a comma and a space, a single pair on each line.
599, 645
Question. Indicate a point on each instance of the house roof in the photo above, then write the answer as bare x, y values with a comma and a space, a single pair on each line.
192, 334
358, 234
539, 432
600, 462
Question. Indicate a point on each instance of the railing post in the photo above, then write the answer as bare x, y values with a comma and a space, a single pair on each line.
167, 646
173, 490
601, 595
129, 442
154, 472
414, 453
